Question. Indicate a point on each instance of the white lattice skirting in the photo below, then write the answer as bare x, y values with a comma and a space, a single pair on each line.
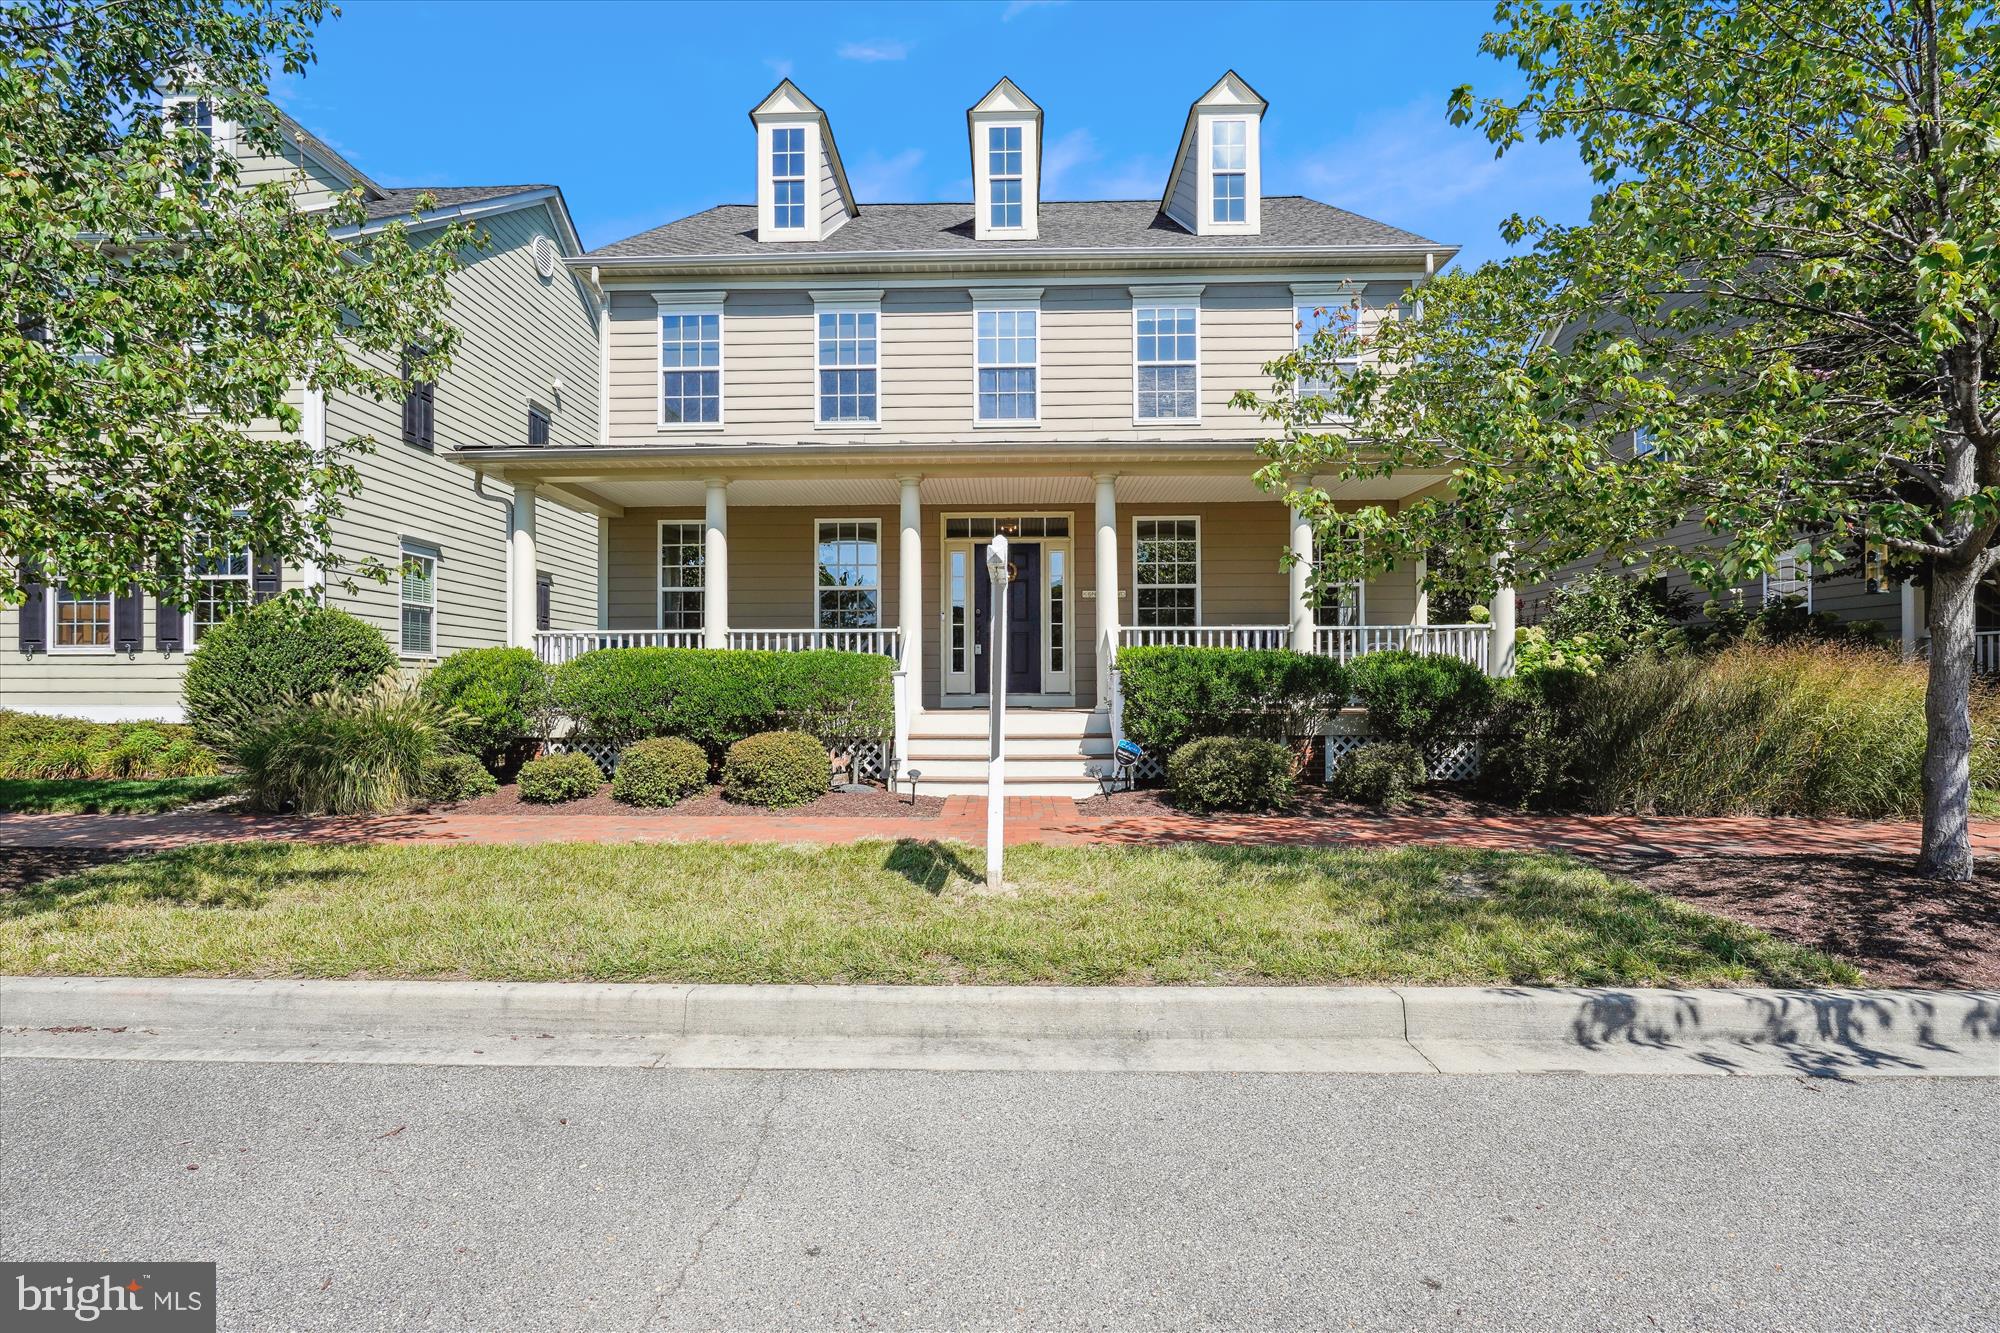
867, 760
1453, 760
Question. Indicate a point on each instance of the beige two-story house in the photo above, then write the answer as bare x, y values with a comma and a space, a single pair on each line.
526, 373
819, 414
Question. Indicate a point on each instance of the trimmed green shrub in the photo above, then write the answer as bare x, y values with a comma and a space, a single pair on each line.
456, 777
349, 751
1381, 773
660, 771
1420, 697
52, 761
501, 700
271, 656
777, 768
1177, 695
1230, 773
556, 778
716, 698
1790, 730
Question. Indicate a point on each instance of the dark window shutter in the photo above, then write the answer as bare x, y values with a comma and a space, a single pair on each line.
429, 395
168, 621
543, 588
267, 577
419, 408
538, 426
34, 611
128, 619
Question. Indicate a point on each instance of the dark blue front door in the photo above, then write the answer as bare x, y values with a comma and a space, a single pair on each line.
1023, 672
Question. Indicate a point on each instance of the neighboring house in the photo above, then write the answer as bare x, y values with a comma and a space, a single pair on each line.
526, 371
820, 412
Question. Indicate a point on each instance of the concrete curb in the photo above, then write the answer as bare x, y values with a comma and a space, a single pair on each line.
1363, 1029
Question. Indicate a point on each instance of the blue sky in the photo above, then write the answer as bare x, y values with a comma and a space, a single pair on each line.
640, 111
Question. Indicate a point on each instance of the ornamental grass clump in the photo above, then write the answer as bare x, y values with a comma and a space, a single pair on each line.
273, 655
776, 769
347, 751
659, 772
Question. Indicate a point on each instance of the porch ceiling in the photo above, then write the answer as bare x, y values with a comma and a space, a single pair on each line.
1022, 492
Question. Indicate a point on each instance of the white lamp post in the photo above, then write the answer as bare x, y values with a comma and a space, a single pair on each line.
996, 716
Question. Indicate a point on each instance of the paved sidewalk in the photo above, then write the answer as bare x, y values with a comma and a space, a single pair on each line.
1029, 820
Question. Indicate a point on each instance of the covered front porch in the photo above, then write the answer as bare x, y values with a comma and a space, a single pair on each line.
888, 561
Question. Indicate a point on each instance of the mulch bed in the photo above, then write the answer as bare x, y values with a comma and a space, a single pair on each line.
874, 803
1874, 911
1309, 803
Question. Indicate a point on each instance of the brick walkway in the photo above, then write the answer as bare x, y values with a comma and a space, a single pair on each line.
1029, 819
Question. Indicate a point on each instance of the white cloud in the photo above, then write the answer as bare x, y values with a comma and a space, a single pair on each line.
1074, 167
878, 179
1016, 8
1062, 156
873, 51
779, 66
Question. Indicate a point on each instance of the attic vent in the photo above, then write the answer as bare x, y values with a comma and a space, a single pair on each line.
545, 256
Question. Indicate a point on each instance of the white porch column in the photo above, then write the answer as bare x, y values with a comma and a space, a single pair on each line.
1107, 586
521, 568
910, 611
1912, 622
1301, 583
1420, 614
603, 572
312, 410
1500, 648
715, 567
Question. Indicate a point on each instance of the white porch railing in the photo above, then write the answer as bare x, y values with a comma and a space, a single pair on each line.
1468, 643
1205, 636
562, 645
1986, 652
881, 642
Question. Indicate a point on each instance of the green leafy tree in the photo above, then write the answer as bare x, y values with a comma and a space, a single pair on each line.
1780, 316
160, 309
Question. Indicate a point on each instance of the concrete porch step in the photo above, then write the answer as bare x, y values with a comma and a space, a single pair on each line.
1063, 768
1021, 722
1018, 747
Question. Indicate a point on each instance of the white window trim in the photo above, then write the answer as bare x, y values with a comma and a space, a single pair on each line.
1020, 177
813, 568
660, 586
1195, 519
405, 551
1164, 296
192, 617
694, 303
1360, 587
1253, 174
1802, 564
109, 648
808, 203
1016, 299
1328, 295
1215, 124
840, 303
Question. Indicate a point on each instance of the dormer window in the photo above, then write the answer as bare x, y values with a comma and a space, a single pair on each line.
1230, 160
788, 178
1004, 159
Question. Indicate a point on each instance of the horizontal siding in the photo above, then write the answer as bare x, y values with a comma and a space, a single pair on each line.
926, 367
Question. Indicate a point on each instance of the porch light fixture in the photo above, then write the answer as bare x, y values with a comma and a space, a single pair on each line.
996, 717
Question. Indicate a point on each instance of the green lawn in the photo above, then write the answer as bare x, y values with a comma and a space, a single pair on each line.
884, 911
109, 796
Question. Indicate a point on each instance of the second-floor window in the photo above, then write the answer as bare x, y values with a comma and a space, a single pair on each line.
788, 178
1166, 369
1006, 348
847, 367
690, 366
1229, 159
1003, 174
1336, 314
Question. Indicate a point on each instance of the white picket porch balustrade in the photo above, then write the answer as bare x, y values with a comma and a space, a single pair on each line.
558, 646
1468, 643
1986, 652
562, 645
1205, 636
881, 642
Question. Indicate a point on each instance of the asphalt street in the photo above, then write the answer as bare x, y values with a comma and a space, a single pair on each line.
401, 1197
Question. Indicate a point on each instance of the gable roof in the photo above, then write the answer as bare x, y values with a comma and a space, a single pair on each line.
448, 200
312, 144
1005, 96
1290, 222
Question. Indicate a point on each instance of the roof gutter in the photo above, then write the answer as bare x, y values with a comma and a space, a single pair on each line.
480, 457
505, 203
821, 261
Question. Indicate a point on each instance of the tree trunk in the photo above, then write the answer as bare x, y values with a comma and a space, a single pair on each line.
1947, 853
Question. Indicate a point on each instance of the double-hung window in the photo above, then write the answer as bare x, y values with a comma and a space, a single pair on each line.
1338, 315
788, 178
682, 560
1791, 578
1229, 161
79, 622
1166, 571
1339, 603
1166, 364
848, 555
848, 351
691, 363
222, 588
1003, 174
418, 597
1006, 340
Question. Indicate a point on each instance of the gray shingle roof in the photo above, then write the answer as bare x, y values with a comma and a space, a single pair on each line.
1113, 224
400, 203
